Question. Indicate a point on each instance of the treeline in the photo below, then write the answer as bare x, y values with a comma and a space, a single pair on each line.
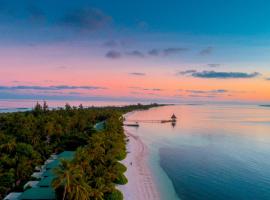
27, 139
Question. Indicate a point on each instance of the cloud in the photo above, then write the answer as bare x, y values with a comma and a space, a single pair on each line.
206, 51
55, 87
206, 93
68, 97
268, 79
167, 52
136, 53
147, 89
171, 51
75, 93
214, 65
224, 75
154, 52
219, 75
201, 96
90, 19
153, 89
137, 74
219, 91
215, 92
111, 43
187, 72
113, 54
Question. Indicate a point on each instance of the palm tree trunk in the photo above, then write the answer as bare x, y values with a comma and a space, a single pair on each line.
64, 195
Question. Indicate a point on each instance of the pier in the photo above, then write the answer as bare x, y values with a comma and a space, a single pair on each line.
150, 121
135, 122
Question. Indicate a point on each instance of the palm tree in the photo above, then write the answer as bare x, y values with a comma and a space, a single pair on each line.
8, 147
71, 178
82, 156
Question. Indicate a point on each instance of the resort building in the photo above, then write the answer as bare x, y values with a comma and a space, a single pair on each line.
13, 196
41, 189
173, 118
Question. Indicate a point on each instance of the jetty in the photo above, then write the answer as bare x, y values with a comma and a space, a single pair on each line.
135, 125
135, 122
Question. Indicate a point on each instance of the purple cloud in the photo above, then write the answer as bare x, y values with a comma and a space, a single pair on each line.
90, 19
137, 74
113, 54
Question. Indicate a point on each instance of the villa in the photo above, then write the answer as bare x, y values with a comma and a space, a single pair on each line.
41, 189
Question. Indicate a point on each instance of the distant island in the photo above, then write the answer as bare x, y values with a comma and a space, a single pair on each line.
265, 105
65, 153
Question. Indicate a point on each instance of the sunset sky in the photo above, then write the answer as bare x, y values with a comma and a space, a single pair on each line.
171, 51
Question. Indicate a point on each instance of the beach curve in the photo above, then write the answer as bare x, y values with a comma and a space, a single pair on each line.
141, 184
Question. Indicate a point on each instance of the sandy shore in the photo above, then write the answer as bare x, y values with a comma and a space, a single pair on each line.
141, 185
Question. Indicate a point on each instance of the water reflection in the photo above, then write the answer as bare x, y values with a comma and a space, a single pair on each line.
173, 124
216, 152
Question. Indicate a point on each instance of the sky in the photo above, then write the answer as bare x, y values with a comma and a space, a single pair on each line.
165, 51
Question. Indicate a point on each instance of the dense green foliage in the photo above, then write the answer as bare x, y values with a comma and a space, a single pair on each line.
28, 138
115, 195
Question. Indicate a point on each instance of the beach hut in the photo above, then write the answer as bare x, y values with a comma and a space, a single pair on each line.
173, 118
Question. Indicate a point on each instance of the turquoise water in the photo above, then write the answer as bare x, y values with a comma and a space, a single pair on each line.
213, 151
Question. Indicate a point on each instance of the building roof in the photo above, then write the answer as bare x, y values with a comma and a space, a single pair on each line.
46, 182
30, 184
38, 193
100, 126
44, 190
49, 161
66, 155
37, 174
53, 164
13, 196
173, 116
48, 173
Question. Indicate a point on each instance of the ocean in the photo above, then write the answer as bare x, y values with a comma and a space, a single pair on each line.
212, 152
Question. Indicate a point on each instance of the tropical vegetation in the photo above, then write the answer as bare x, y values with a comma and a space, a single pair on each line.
27, 139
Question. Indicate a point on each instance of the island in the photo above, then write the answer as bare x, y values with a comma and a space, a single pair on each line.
63, 153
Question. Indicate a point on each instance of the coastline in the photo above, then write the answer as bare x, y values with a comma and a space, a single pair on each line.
141, 184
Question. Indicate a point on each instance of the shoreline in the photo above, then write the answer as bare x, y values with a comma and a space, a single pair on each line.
141, 184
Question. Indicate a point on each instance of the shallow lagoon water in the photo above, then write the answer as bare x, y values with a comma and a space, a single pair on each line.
213, 151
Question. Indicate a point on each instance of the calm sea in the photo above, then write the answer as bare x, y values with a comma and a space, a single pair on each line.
212, 152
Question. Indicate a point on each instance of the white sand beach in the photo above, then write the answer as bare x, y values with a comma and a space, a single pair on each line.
141, 185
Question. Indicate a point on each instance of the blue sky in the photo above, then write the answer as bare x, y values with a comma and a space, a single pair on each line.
208, 17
